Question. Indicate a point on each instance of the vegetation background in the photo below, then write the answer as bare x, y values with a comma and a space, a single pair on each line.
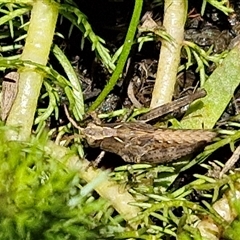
110, 57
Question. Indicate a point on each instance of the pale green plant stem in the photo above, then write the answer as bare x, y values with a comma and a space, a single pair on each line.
38, 42
117, 194
175, 13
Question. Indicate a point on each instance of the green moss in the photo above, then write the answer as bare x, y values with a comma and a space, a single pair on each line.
233, 231
35, 196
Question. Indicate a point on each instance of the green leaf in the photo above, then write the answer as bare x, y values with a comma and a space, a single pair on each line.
220, 88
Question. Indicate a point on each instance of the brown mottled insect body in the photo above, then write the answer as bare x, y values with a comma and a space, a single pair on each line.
9, 93
140, 142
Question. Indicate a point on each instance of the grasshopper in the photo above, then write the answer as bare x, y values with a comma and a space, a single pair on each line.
139, 142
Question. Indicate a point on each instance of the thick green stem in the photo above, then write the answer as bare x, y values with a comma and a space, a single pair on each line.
38, 42
115, 193
174, 19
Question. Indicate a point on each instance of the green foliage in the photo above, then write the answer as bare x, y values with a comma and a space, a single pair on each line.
71, 12
224, 80
69, 87
233, 231
196, 55
168, 210
220, 5
54, 84
40, 198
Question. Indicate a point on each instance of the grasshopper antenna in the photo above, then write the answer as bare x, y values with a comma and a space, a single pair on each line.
71, 120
